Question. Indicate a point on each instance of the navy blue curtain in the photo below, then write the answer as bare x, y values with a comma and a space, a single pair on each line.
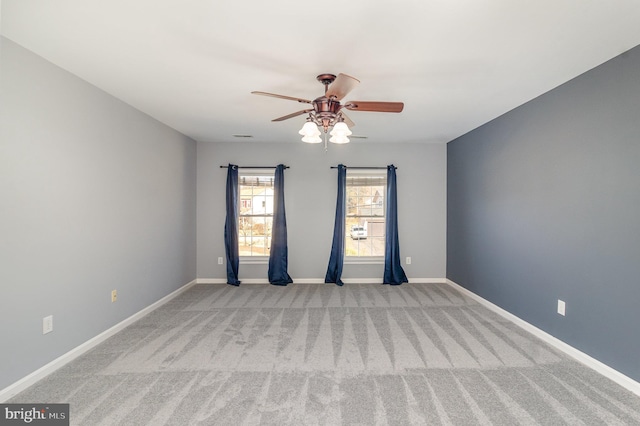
336, 261
231, 226
393, 272
278, 256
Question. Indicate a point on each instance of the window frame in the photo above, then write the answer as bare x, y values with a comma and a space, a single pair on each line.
253, 204
375, 173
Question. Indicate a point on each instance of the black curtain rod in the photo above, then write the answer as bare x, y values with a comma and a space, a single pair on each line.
254, 167
364, 168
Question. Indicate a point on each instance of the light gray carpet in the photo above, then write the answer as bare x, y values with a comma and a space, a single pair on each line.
322, 354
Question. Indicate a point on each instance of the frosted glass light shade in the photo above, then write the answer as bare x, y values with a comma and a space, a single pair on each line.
312, 139
309, 129
339, 133
340, 129
340, 139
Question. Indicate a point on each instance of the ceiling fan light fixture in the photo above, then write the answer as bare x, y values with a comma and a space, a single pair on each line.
326, 111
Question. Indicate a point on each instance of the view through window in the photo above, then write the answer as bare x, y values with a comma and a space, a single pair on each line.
365, 221
256, 212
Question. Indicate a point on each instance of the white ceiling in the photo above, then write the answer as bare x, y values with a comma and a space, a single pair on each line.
456, 64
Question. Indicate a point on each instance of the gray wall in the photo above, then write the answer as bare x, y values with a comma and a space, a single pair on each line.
310, 196
94, 196
544, 204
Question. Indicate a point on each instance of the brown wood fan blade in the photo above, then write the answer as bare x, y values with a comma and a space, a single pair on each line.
342, 85
273, 95
374, 106
295, 114
349, 122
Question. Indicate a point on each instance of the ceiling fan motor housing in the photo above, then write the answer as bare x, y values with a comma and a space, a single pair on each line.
326, 111
326, 106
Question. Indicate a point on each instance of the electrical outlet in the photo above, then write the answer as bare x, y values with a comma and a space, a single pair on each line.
220, 261
47, 324
114, 295
408, 260
561, 307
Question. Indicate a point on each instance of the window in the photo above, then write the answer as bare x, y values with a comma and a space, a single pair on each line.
365, 220
256, 212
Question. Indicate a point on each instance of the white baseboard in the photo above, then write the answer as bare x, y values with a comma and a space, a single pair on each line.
211, 280
320, 280
17, 387
576, 354
427, 280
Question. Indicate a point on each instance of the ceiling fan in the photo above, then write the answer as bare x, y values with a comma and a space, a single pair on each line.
327, 111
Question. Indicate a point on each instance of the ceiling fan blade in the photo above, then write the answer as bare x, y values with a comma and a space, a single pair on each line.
347, 120
273, 95
342, 85
295, 114
374, 106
